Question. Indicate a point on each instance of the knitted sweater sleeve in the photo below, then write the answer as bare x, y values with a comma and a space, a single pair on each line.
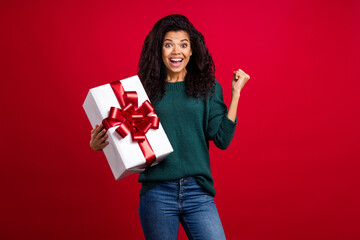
220, 128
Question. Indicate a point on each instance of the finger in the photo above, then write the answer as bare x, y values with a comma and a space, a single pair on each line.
103, 139
242, 78
93, 130
95, 133
239, 70
104, 145
100, 135
240, 75
242, 72
98, 129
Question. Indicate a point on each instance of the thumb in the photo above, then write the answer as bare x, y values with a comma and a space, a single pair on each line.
235, 76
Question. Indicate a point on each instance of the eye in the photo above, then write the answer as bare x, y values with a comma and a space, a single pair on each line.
184, 45
168, 45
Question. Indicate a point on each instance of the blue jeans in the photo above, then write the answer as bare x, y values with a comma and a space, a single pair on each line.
170, 202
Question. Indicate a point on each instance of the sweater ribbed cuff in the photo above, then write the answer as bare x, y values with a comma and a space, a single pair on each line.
228, 125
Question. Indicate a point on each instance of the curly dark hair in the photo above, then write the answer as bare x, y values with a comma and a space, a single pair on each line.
199, 80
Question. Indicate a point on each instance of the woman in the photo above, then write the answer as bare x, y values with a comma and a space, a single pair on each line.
177, 73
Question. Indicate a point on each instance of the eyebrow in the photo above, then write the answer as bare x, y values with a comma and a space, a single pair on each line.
183, 40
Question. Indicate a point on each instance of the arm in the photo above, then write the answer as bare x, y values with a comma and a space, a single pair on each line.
238, 82
220, 128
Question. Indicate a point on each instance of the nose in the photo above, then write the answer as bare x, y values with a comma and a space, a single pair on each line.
175, 49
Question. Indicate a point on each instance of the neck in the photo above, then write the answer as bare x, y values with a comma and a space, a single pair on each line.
175, 77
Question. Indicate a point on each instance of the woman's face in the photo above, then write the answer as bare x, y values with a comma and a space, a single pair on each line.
176, 51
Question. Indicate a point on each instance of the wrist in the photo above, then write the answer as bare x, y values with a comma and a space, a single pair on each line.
235, 94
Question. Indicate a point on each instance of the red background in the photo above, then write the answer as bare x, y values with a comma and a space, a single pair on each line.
292, 170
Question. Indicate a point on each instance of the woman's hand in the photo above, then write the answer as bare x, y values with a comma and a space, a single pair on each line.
98, 138
238, 82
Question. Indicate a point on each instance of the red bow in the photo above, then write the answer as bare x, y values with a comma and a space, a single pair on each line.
132, 119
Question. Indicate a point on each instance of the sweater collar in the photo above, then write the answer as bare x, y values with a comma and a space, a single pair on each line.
175, 86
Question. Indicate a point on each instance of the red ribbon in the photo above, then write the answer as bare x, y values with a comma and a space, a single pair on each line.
132, 119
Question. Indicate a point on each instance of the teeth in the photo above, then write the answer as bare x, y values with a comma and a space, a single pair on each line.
176, 59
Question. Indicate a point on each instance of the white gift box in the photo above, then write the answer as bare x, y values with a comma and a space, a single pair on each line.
123, 154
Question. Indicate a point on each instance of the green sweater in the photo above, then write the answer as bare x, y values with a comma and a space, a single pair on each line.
189, 124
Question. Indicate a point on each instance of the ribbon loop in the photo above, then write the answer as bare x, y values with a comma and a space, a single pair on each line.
125, 128
131, 97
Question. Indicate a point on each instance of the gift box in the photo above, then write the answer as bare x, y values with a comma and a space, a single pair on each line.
136, 137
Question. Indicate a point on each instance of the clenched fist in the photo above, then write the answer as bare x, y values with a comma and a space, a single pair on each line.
239, 80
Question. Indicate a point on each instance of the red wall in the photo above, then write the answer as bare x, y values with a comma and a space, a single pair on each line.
292, 170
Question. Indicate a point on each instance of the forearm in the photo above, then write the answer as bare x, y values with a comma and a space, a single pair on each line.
231, 114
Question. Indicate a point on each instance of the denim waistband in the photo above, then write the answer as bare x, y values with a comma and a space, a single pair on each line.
188, 180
